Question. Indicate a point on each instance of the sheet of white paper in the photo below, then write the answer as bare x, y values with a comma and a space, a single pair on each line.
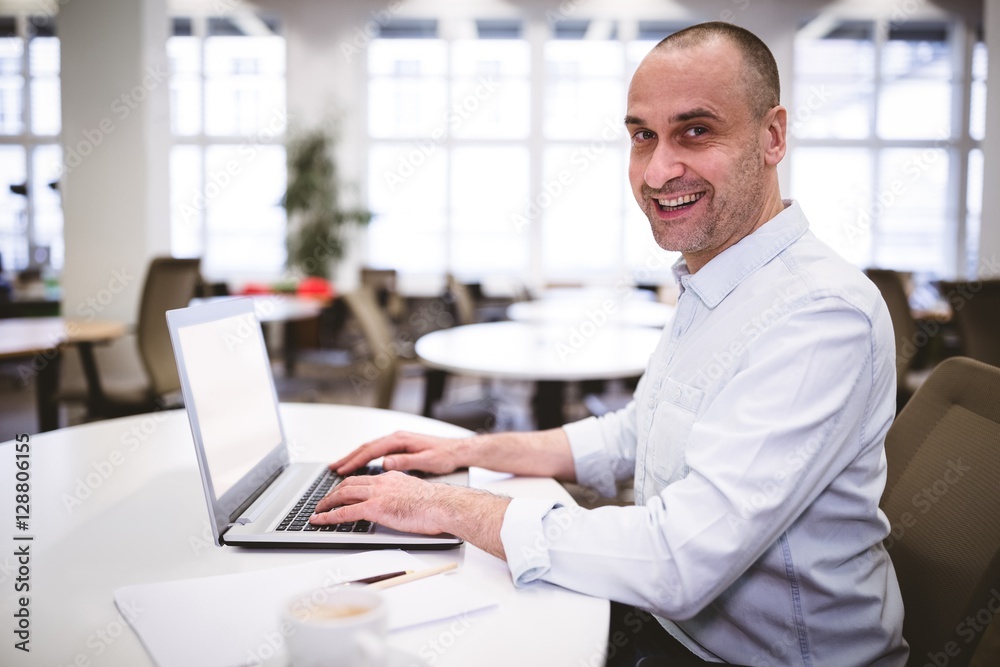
232, 619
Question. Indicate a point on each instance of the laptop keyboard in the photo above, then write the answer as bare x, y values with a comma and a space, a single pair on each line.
298, 518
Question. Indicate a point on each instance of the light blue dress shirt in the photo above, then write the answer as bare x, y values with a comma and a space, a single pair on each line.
756, 442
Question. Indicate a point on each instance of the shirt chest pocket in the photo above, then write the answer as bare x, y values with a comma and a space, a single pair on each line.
670, 431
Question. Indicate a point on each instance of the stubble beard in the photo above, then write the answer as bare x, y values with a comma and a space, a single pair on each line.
723, 215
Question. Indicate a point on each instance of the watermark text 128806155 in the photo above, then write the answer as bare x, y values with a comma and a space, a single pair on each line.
22, 482
22, 548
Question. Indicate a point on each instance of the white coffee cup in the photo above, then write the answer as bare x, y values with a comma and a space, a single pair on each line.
338, 627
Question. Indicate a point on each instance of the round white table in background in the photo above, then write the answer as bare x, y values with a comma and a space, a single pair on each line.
284, 309
641, 313
547, 354
120, 502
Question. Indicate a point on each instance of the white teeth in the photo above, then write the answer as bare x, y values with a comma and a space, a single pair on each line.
686, 199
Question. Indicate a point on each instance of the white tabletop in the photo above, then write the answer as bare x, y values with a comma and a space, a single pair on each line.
526, 351
277, 307
642, 313
120, 502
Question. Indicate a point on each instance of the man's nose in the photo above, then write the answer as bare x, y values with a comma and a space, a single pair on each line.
663, 167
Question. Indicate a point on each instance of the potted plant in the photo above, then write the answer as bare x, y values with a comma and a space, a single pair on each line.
318, 220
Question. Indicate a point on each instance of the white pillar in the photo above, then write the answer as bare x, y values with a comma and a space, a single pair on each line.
116, 128
989, 238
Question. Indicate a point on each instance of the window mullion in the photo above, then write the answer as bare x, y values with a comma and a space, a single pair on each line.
964, 39
536, 32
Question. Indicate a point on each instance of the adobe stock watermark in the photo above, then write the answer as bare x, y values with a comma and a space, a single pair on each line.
597, 316
366, 33
899, 13
44, 11
926, 498
817, 97
88, 310
728, 15
725, 361
768, 489
913, 170
121, 108
565, 10
968, 629
135, 437
460, 112
579, 162
105, 636
218, 180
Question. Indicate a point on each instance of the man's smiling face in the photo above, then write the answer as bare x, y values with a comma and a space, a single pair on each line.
698, 167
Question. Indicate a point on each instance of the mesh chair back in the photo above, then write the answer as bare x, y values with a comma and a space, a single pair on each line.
170, 283
384, 363
904, 327
976, 306
943, 456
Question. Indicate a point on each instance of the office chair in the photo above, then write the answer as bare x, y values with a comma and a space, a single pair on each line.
976, 307
384, 283
170, 283
890, 285
460, 301
943, 455
381, 369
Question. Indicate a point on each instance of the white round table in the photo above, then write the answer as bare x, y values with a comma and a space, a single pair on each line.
284, 309
120, 502
547, 354
642, 313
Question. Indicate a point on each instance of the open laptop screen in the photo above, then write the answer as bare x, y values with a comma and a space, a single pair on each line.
228, 376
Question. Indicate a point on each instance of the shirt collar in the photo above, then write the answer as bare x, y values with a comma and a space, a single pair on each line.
724, 272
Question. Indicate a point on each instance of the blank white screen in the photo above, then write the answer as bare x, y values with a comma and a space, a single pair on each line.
227, 368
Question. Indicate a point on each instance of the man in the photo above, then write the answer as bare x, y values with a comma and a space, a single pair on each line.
755, 437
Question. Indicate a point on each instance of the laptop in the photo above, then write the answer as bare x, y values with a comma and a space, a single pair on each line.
256, 497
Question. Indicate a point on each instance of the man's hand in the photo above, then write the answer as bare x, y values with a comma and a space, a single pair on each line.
405, 503
410, 451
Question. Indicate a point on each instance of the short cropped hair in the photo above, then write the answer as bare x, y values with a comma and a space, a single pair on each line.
761, 83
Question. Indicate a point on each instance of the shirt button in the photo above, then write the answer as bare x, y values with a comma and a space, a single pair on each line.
652, 402
677, 392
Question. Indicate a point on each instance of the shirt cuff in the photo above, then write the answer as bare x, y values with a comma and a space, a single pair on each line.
590, 458
523, 537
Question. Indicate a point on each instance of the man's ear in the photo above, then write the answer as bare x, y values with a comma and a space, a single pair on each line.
773, 129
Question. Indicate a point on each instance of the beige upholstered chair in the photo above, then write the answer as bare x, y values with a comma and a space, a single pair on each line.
976, 308
170, 283
943, 456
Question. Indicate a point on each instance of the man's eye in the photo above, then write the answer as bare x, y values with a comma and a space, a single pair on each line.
696, 131
642, 135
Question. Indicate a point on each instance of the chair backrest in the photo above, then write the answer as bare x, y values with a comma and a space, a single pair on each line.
904, 327
383, 367
943, 455
384, 284
170, 283
462, 300
976, 308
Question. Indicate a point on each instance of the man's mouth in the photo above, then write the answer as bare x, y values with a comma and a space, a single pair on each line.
678, 203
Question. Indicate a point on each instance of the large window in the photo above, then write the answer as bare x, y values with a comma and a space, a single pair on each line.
227, 165
30, 155
887, 119
495, 149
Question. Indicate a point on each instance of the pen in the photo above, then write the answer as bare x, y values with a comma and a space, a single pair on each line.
413, 576
380, 577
